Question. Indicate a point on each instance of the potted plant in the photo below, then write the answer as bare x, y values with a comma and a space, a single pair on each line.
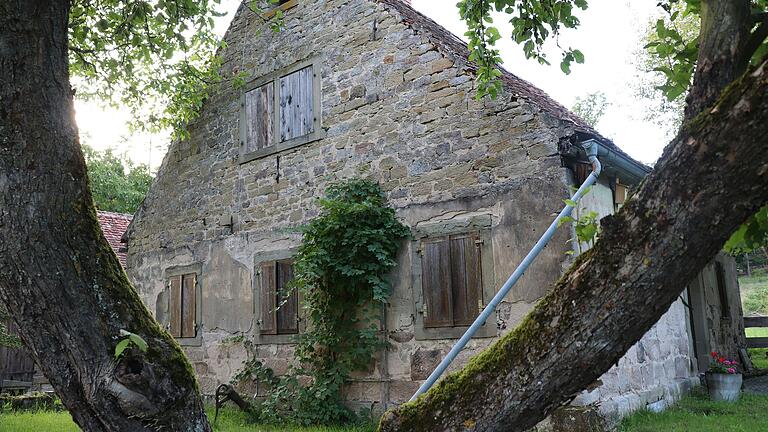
723, 379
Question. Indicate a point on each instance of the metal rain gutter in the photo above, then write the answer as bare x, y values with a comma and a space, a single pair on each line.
616, 163
591, 148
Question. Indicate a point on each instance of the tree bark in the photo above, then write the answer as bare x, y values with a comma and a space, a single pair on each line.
724, 51
709, 181
59, 278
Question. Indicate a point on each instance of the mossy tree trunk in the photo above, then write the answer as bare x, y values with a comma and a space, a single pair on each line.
710, 179
59, 278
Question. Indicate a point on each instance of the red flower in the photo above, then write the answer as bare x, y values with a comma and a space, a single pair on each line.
713, 354
720, 360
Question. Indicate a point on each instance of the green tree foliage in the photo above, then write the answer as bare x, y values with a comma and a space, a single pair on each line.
341, 272
157, 58
751, 236
533, 23
591, 107
654, 58
118, 185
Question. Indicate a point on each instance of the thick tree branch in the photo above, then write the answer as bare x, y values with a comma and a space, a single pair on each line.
756, 38
709, 181
725, 28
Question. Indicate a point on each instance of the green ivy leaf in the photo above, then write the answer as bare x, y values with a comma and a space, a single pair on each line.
121, 346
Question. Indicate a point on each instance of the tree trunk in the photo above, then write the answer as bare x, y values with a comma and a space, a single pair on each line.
709, 181
723, 51
59, 278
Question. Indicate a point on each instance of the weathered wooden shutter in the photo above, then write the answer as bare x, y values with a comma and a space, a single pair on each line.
436, 282
465, 279
287, 314
259, 114
189, 306
296, 104
175, 306
268, 298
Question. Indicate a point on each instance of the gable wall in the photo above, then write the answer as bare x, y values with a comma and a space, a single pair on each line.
396, 109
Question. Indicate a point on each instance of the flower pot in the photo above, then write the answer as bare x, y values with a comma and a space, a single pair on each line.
724, 387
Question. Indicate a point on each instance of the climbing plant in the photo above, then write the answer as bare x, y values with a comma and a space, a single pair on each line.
341, 272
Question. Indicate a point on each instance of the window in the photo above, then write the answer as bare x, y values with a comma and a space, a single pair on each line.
281, 111
620, 195
451, 280
183, 313
722, 290
279, 302
452, 276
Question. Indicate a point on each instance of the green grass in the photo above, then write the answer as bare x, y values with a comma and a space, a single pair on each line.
754, 293
230, 420
754, 298
697, 413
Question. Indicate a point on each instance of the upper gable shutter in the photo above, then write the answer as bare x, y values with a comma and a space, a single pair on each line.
175, 306
465, 279
436, 282
296, 95
259, 114
268, 298
287, 314
189, 306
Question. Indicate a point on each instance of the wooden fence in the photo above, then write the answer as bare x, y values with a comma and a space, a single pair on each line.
753, 322
16, 366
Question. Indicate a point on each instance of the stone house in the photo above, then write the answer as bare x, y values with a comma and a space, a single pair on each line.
373, 88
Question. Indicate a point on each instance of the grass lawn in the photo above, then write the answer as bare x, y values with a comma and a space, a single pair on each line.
754, 292
697, 413
759, 355
230, 420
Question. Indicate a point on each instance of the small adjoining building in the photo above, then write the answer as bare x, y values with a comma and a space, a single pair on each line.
373, 88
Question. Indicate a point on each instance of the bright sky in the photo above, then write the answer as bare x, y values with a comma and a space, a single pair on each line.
609, 38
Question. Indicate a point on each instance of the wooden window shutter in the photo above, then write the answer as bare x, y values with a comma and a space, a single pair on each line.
189, 306
436, 282
259, 114
465, 279
296, 96
287, 314
175, 306
268, 298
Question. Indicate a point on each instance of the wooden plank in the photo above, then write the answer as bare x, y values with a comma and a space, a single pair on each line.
287, 314
15, 363
761, 321
761, 342
189, 306
307, 100
296, 104
268, 298
175, 306
722, 290
259, 109
436, 283
285, 108
467, 264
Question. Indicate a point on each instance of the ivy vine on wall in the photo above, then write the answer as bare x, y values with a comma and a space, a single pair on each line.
341, 272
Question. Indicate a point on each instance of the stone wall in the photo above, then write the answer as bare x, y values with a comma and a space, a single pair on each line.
397, 107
